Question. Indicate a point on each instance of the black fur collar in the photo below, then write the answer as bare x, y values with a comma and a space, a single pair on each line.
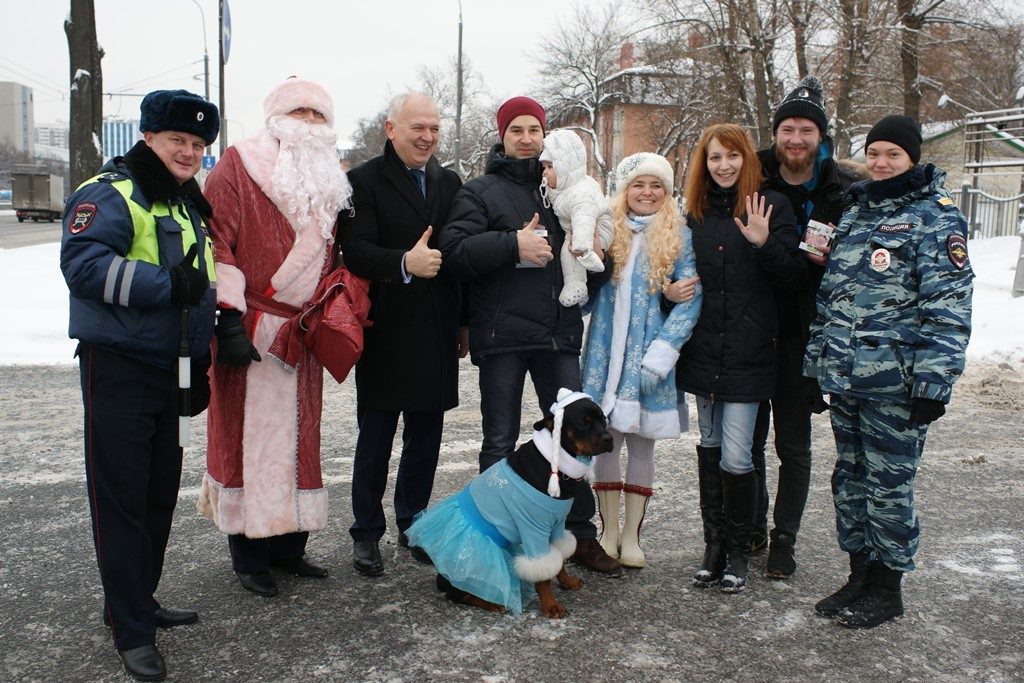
875, 191
157, 183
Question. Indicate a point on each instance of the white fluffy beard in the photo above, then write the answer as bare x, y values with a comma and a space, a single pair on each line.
307, 183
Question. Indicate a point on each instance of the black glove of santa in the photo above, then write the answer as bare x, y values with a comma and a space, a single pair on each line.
188, 283
926, 410
199, 394
813, 396
233, 345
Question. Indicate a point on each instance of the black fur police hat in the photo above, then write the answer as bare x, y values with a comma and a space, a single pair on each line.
806, 101
182, 111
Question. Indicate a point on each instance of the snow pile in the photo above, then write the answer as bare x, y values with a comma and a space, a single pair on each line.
34, 300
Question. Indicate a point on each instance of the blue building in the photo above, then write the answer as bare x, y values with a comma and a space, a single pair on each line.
119, 136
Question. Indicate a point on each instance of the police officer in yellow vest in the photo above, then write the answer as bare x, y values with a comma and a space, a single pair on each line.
134, 253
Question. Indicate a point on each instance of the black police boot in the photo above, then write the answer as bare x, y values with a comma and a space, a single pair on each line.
856, 585
710, 487
739, 494
781, 560
882, 601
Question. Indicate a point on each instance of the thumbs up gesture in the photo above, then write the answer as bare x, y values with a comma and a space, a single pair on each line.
533, 247
421, 260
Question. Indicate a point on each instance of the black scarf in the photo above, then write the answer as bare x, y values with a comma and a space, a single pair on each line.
157, 183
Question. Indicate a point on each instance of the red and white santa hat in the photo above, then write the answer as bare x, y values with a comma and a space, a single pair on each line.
296, 93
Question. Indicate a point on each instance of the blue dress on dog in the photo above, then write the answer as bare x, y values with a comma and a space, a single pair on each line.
496, 537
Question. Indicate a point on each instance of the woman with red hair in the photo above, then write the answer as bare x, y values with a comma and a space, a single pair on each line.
746, 244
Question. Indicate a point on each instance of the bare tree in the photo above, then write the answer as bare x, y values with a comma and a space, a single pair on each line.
368, 139
579, 57
85, 135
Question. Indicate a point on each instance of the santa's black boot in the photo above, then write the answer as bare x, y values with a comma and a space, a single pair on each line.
709, 476
882, 601
739, 495
856, 585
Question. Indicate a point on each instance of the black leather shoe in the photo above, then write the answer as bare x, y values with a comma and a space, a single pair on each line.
418, 553
167, 617
260, 583
300, 566
144, 663
366, 558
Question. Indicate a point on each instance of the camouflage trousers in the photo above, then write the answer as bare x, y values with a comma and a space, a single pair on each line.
873, 481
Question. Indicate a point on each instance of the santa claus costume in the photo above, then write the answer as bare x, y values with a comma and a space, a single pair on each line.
275, 198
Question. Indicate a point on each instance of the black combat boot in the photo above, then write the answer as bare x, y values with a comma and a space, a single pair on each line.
882, 601
709, 476
739, 495
856, 585
781, 557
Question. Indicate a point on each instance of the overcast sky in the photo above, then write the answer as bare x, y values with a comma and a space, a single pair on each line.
362, 51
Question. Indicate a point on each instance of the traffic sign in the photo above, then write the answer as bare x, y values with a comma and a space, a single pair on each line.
209, 161
226, 31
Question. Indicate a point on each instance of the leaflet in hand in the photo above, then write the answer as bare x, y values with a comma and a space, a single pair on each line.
816, 236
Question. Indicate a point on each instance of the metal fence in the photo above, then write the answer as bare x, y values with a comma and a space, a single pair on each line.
990, 215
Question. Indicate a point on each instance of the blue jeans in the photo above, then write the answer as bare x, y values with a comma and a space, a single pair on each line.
502, 377
729, 426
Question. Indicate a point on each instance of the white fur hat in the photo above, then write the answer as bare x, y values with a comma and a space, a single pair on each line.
295, 93
643, 163
564, 398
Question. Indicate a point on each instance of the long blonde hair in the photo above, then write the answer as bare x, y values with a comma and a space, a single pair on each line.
664, 240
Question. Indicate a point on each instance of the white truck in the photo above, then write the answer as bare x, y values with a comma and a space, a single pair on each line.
39, 196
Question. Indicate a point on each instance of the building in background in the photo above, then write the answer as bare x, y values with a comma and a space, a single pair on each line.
119, 135
53, 134
17, 117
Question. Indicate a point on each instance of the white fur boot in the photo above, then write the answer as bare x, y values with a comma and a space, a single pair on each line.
631, 555
608, 506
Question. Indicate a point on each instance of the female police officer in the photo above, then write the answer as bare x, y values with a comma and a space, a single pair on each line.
889, 340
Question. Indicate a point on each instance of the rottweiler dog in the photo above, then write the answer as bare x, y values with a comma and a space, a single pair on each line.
584, 433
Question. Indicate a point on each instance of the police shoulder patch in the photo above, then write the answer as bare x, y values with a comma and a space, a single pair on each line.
82, 216
894, 228
956, 249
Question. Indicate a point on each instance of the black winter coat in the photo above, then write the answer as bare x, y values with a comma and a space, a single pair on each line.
796, 310
731, 354
510, 308
410, 358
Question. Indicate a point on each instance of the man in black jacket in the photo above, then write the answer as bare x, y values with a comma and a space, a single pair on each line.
502, 238
800, 166
410, 360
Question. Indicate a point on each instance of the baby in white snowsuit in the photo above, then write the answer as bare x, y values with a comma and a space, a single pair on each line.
581, 208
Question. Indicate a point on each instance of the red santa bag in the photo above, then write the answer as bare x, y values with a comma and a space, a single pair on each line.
331, 326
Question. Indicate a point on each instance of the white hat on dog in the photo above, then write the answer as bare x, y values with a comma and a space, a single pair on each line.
565, 397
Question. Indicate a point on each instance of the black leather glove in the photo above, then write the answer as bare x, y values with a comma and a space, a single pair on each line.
233, 345
199, 395
188, 283
926, 410
813, 396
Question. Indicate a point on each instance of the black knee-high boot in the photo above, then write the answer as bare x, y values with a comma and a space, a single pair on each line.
739, 493
709, 477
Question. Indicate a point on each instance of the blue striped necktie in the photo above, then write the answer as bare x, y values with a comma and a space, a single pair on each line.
421, 179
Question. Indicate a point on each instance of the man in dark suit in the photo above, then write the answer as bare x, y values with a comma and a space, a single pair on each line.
410, 357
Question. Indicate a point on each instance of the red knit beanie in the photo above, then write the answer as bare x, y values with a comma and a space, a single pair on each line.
519, 106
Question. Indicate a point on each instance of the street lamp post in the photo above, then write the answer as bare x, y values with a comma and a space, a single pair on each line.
458, 101
206, 52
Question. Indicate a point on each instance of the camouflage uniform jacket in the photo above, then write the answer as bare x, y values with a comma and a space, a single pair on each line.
894, 308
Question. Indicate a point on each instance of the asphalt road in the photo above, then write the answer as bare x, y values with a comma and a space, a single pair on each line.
965, 608
14, 234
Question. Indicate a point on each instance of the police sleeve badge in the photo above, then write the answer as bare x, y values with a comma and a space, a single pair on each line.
956, 250
81, 217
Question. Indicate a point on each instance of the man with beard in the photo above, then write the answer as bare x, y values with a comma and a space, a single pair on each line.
799, 165
410, 360
502, 236
136, 258
275, 198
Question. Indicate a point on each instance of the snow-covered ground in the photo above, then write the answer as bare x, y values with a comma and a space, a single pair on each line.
34, 300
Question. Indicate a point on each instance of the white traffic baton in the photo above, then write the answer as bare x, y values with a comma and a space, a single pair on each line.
184, 381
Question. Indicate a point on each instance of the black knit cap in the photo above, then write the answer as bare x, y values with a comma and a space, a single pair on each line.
182, 111
806, 101
899, 130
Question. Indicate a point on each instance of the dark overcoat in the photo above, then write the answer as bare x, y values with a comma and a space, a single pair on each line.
410, 358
